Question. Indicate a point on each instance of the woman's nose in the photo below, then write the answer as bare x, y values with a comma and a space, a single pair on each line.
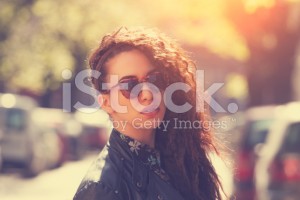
145, 94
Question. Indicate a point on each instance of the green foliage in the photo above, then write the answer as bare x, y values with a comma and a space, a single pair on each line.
44, 37
40, 38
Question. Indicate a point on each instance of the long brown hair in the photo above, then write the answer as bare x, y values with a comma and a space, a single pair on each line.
184, 151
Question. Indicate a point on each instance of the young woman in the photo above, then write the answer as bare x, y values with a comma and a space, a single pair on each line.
149, 155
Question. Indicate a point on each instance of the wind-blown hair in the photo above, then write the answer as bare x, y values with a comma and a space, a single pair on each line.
184, 151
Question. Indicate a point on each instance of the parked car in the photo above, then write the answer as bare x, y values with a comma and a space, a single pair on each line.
277, 172
22, 141
95, 127
258, 120
53, 147
65, 127
1, 135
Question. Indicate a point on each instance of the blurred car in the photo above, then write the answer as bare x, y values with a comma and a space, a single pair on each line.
277, 172
258, 120
21, 143
53, 148
64, 126
1, 134
95, 127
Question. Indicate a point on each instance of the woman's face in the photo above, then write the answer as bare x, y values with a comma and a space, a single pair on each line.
134, 64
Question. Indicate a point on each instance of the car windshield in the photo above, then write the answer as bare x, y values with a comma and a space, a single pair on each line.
15, 119
256, 132
292, 140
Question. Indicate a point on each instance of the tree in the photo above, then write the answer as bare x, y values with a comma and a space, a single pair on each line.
41, 38
272, 32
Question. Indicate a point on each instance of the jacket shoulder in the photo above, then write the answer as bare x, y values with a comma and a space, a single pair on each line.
96, 191
101, 180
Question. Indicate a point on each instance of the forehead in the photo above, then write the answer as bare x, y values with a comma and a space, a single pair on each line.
129, 63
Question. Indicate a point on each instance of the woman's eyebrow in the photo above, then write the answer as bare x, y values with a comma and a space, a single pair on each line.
127, 77
134, 76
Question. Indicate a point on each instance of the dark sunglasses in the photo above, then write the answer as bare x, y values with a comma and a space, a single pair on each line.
128, 84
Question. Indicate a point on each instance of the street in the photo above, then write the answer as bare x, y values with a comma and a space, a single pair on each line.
61, 183
58, 184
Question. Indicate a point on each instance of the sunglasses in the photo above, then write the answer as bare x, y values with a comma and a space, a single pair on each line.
131, 87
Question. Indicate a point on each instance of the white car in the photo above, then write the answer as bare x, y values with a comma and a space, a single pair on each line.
257, 121
59, 125
1, 135
96, 127
277, 172
21, 143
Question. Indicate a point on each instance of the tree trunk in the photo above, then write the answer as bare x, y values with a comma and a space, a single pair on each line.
270, 71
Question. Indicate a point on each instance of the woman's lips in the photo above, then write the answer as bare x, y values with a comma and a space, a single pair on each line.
152, 113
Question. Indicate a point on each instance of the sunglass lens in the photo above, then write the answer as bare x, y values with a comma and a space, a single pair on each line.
128, 84
156, 78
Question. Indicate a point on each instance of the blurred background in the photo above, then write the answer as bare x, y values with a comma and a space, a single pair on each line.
250, 45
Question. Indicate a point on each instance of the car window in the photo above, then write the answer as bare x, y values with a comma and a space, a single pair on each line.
292, 140
15, 119
256, 132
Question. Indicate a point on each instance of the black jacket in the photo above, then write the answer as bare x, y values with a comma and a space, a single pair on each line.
126, 170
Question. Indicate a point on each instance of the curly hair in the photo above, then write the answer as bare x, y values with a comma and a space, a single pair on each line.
186, 159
